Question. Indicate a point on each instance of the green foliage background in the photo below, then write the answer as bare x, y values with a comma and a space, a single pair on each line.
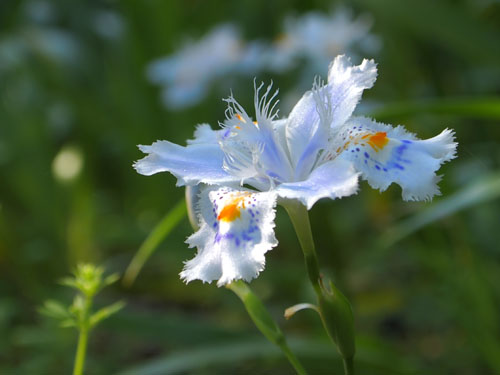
424, 279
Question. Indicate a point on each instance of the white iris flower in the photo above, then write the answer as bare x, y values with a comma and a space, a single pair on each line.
318, 37
319, 151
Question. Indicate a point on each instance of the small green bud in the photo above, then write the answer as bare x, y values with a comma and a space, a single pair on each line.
336, 314
88, 280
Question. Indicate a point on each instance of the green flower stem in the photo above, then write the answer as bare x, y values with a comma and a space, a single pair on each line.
84, 327
348, 366
81, 352
300, 220
264, 322
333, 307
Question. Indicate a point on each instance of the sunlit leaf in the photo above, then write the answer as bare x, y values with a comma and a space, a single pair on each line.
54, 309
105, 313
68, 323
70, 281
111, 279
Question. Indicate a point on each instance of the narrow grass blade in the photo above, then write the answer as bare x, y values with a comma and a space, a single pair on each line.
374, 358
483, 190
157, 235
487, 108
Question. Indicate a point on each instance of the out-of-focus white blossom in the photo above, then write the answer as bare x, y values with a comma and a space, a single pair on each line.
318, 37
186, 75
109, 25
50, 43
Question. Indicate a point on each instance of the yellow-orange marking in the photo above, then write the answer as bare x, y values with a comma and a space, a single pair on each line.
232, 211
229, 213
240, 118
378, 141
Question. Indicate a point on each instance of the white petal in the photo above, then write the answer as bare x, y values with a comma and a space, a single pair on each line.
204, 134
346, 84
237, 229
305, 135
252, 148
384, 155
323, 107
279, 127
334, 179
199, 162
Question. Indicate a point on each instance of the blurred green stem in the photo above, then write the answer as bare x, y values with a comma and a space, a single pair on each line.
333, 307
80, 353
348, 366
264, 322
84, 326
300, 220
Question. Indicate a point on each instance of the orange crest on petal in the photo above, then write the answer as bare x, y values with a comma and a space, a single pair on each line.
232, 211
378, 141
229, 213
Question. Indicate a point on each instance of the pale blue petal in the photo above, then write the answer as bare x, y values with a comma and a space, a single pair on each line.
325, 107
334, 179
236, 230
253, 149
305, 135
205, 134
346, 84
396, 156
191, 165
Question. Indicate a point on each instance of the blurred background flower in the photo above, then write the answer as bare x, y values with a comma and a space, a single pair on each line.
424, 279
318, 37
187, 73
314, 37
